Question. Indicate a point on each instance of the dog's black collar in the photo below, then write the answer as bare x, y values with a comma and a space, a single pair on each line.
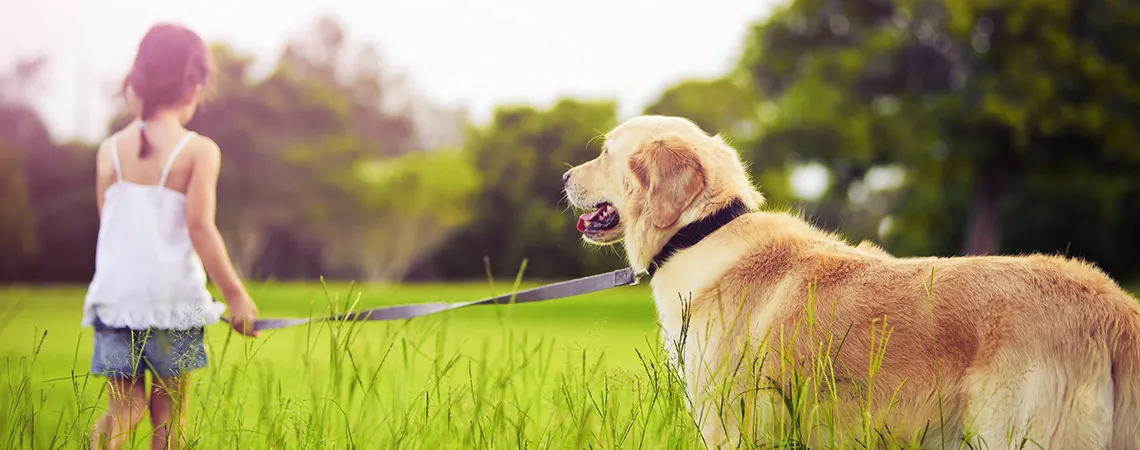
694, 232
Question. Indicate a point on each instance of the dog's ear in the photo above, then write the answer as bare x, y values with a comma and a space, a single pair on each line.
670, 171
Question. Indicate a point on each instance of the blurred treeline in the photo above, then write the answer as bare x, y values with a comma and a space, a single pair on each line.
943, 127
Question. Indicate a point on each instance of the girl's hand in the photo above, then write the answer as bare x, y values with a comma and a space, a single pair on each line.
243, 315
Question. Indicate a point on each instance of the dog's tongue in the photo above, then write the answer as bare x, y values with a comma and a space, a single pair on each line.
585, 219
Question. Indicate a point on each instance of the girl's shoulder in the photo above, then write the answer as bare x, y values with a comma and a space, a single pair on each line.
200, 145
202, 140
107, 145
203, 153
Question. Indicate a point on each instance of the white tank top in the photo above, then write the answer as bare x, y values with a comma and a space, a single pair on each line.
147, 274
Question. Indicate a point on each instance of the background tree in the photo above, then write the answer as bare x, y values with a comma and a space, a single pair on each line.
987, 97
403, 211
723, 106
55, 198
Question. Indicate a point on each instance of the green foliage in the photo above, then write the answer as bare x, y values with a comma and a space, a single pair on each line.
401, 210
813, 64
1067, 74
973, 102
439, 183
724, 105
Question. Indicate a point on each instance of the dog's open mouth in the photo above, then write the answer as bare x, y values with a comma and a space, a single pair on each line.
602, 219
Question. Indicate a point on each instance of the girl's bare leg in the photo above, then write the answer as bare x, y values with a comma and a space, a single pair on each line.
127, 404
168, 409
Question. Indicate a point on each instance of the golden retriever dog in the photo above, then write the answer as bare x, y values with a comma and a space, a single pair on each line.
783, 332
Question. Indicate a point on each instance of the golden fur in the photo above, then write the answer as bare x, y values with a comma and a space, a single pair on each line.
992, 349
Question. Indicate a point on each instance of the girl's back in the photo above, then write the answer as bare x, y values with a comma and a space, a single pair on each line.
163, 141
147, 272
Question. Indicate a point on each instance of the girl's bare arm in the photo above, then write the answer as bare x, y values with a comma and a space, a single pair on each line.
201, 209
104, 172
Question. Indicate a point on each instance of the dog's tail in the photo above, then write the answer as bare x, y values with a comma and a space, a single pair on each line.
1126, 383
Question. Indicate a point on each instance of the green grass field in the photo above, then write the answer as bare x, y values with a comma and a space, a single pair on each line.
576, 373
586, 372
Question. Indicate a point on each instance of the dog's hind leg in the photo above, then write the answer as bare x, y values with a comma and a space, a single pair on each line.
1023, 402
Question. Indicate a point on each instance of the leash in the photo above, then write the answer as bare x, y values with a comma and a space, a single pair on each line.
686, 237
580, 286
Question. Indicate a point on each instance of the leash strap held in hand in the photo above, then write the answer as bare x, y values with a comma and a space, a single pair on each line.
580, 286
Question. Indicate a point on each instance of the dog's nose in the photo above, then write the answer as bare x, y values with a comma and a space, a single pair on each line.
566, 176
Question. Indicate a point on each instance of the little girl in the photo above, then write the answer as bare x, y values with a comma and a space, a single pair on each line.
156, 192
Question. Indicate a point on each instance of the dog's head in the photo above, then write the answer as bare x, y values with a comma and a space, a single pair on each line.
655, 175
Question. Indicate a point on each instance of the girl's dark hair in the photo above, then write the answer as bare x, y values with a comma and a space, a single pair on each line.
171, 62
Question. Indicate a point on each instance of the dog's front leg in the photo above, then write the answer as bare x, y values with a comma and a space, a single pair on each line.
730, 399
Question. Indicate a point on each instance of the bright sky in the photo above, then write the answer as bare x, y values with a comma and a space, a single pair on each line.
475, 53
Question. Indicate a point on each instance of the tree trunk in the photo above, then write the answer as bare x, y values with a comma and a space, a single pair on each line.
984, 226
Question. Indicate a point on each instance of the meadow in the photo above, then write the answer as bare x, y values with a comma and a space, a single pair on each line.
585, 372
576, 373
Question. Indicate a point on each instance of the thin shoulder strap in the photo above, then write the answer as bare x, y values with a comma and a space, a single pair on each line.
115, 157
173, 154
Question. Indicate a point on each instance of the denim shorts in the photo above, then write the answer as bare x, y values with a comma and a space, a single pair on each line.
122, 352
